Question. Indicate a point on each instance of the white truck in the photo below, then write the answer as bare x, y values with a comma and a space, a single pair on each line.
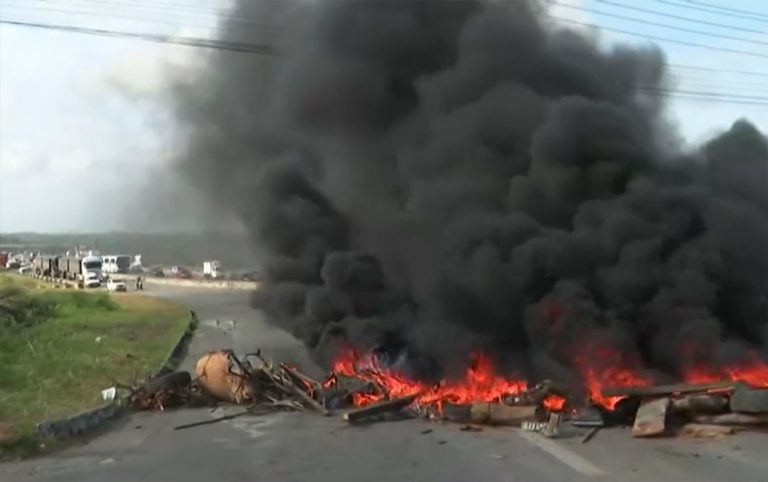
212, 269
85, 269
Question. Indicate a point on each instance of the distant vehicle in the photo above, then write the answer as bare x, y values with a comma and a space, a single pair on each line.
116, 285
46, 265
3, 259
157, 272
80, 268
180, 272
252, 276
91, 279
212, 269
116, 263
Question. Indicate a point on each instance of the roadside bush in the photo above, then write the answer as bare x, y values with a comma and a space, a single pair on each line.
80, 300
19, 309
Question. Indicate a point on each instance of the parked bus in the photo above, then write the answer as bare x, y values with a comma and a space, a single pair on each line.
116, 263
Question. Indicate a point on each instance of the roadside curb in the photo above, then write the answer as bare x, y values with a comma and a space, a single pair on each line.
75, 425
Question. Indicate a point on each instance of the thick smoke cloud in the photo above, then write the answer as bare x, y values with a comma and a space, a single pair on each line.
434, 178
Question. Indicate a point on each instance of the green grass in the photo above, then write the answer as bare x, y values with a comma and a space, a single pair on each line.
58, 365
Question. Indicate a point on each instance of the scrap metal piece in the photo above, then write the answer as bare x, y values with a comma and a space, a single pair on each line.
217, 376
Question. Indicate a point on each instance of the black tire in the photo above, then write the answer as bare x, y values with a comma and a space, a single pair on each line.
167, 382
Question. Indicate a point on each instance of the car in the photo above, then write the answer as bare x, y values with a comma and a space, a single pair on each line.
92, 280
116, 285
180, 272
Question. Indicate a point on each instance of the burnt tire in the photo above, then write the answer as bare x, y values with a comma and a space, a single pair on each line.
169, 381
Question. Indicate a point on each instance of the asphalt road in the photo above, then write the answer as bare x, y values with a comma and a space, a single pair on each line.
302, 447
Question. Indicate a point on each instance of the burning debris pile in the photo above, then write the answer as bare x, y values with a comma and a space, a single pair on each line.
447, 178
362, 390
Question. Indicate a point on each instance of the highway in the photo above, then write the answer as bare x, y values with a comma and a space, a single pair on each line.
302, 447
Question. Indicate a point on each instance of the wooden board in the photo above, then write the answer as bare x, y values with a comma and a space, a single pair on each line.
700, 403
705, 430
746, 400
667, 389
651, 419
498, 414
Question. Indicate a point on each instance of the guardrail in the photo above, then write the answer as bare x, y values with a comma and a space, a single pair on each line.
222, 284
196, 283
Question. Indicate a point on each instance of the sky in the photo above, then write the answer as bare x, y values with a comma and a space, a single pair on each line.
83, 133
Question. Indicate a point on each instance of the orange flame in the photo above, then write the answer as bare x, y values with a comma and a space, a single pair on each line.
480, 383
554, 403
753, 371
612, 376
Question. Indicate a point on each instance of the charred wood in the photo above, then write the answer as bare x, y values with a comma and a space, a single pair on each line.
498, 414
746, 400
667, 389
703, 403
380, 408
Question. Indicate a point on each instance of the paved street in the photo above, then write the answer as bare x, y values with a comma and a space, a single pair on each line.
301, 447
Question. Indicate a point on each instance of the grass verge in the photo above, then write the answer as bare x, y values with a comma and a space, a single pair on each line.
60, 348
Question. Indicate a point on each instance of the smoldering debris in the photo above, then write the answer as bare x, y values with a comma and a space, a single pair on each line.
365, 393
437, 178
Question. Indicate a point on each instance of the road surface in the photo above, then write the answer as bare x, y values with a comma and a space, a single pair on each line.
302, 447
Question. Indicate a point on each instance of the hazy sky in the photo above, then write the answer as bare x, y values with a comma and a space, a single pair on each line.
82, 125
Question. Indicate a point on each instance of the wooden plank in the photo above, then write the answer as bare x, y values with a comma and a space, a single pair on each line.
705, 430
733, 419
498, 414
456, 413
651, 417
700, 403
379, 408
667, 389
746, 400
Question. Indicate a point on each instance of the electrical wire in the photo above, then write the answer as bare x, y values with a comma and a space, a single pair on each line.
659, 38
719, 71
266, 49
262, 49
655, 24
710, 11
763, 15
680, 17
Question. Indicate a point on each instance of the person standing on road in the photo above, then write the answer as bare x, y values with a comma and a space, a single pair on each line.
139, 283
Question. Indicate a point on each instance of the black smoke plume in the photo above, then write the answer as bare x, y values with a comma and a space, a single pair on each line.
439, 177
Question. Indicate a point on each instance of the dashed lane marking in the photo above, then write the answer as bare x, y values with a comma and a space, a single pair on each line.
569, 458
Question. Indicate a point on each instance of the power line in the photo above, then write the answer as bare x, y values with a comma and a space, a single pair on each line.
707, 94
656, 24
265, 49
680, 17
261, 49
709, 11
720, 71
95, 14
728, 9
213, 15
212, 21
659, 38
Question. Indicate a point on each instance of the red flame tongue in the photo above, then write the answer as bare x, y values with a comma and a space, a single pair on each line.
754, 372
480, 382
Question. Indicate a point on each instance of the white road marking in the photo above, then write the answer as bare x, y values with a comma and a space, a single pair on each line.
569, 458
